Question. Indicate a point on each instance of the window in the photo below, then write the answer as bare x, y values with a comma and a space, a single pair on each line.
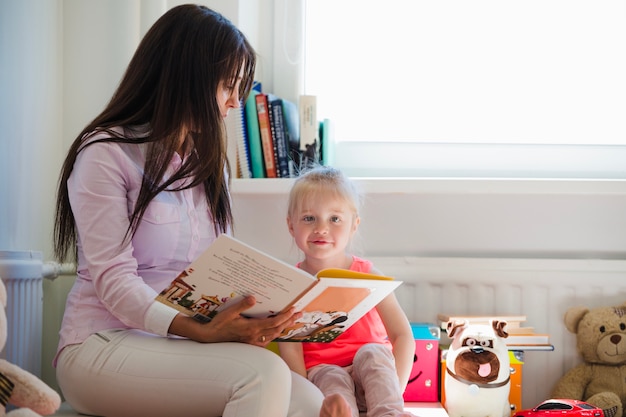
482, 88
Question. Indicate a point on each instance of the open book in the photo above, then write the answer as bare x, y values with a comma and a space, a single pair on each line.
229, 269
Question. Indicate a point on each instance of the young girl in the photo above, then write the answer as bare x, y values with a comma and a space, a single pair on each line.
369, 364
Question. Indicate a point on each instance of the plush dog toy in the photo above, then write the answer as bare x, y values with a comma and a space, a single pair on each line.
601, 341
19, 387
478, 374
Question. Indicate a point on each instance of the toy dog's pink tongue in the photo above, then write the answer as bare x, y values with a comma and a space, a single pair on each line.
484, 370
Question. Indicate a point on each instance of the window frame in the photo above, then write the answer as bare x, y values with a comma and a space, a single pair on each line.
449, 160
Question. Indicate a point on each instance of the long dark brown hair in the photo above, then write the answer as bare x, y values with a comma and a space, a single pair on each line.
170, 85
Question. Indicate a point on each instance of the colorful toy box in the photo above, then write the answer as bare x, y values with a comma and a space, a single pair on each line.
423, 383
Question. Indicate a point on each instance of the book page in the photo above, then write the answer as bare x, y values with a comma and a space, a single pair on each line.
229, 270
333, 305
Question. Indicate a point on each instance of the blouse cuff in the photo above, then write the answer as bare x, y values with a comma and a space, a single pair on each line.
158, 318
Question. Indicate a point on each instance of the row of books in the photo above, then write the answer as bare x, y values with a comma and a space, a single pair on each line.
520, 336
275, 137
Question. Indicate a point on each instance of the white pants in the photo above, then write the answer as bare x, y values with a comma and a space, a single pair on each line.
128, 373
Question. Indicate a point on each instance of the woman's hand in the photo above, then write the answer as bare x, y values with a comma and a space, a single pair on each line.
230, 326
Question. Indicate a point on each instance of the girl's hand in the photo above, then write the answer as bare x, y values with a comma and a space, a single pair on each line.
230, 326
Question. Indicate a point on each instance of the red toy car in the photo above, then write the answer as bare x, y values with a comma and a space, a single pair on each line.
562, 408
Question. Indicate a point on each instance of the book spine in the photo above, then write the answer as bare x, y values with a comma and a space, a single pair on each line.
270, 114
254, 137
308, 122
243, 158
527, 339
266, 135
292, 132
280, 138
244, 135
327, 143
237, 156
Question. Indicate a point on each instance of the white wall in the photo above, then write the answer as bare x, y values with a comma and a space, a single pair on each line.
30, 120
456, 217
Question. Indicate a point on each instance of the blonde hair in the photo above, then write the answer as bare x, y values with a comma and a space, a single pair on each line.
323, 180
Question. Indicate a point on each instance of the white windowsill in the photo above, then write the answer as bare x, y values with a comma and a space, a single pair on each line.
452, 186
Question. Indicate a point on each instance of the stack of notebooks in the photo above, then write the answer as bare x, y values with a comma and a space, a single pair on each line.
520, 336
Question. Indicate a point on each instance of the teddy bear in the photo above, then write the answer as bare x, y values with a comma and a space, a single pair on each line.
18, 387
601, 342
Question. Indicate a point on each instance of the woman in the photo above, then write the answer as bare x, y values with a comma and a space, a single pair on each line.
143, 191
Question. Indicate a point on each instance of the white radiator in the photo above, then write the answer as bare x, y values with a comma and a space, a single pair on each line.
24, 316
540, 289
21, 272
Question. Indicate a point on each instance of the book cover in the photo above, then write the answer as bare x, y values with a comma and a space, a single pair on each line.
230, 269
254, 137
281, 144
262, 108
338, 300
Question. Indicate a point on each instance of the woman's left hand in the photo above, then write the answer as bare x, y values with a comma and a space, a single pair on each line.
231, 326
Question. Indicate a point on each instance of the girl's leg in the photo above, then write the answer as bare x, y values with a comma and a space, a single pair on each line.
333, 379
306, 398
124, 373
375, 376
